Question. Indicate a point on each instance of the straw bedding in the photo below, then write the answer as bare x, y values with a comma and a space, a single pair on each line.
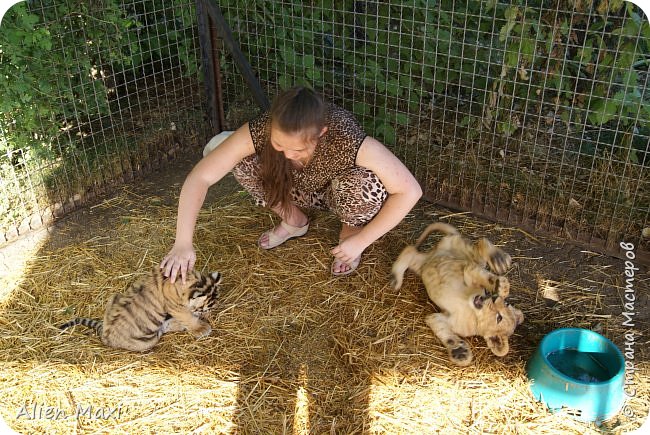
293, 350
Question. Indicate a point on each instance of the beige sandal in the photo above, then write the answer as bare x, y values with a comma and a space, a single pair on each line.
291, 233
353, 266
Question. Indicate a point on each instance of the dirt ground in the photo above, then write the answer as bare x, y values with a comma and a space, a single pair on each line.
356, 349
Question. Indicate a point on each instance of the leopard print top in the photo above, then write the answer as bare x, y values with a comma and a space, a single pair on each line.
335, 153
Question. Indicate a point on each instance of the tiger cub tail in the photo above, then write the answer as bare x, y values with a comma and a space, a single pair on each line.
95, 324
437, 226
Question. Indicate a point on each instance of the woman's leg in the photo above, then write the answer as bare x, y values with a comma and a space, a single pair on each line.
355, 197
247, 173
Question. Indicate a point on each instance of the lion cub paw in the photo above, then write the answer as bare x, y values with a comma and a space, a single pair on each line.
499, 261
460, 354
395, 281
502, 287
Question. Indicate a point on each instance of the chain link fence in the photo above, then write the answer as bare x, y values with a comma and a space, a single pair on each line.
92, 94
532, 113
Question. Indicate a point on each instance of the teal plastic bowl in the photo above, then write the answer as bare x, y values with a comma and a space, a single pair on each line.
579, 371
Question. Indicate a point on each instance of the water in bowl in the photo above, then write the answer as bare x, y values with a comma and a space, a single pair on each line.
582, 366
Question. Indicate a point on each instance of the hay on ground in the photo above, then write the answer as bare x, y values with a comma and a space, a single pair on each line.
293, 350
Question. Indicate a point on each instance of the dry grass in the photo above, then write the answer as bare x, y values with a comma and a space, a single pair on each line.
293, 350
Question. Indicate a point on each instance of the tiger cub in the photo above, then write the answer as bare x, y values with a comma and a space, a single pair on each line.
152, 306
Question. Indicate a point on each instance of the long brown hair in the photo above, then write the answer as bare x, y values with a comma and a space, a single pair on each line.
296, 110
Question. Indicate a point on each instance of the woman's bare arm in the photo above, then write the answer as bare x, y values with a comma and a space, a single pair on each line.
207, 172
403, 193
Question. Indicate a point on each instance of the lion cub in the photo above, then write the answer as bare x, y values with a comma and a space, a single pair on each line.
472, 299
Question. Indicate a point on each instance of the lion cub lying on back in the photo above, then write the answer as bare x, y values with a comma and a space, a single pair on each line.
471, 298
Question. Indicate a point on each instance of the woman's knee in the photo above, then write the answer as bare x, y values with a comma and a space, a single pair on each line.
356, 196
247, 174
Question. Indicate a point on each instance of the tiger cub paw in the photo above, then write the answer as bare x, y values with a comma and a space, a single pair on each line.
202, 331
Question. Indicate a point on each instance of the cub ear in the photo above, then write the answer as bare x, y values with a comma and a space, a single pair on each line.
519, 316
216, 276
197, 294
498, 344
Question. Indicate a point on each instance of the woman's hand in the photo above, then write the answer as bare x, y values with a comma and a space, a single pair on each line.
179, 260
212, 168
349, 249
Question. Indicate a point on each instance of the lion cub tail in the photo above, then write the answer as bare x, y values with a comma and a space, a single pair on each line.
437, 226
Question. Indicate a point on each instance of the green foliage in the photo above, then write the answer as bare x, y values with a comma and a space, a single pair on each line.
503, 57
59, 66
389, 58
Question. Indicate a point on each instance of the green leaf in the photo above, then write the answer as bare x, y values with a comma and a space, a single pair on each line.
406, 81
401, 118
308, 61
361, 109
290, 56
386, 132
285, 82
313, 73
28, 21
511, 19
603, 110
512, 59
631, 79
507, 127
393, 87
528, 49
584, 54
564, 28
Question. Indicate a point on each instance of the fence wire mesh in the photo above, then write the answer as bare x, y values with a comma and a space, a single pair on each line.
535, 113
93, 93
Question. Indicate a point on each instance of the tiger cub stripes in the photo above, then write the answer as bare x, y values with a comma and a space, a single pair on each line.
152, 306
95, 324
